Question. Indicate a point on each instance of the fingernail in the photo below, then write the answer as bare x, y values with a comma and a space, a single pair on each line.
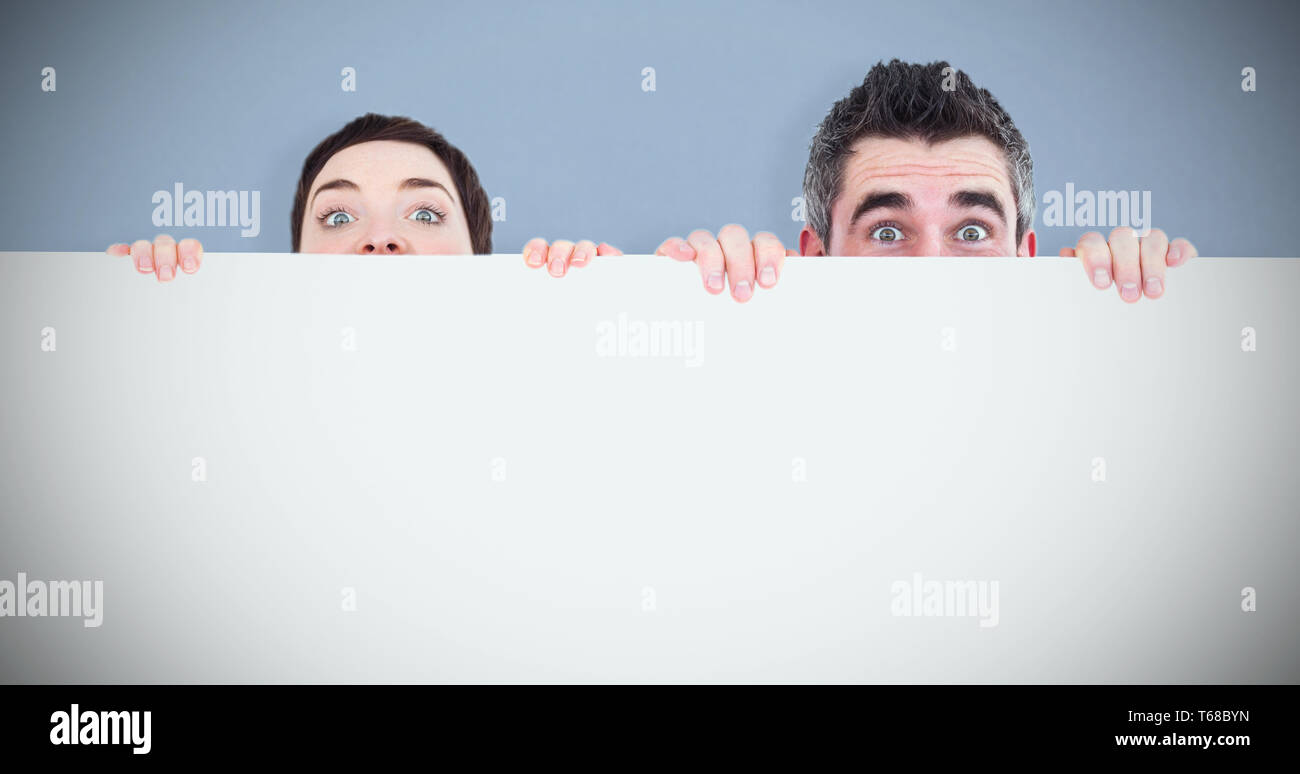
743, 290
146, 264
579, 259
1154, 286
767, 277
1129, 291
557, 268
534, 258
1101, 278
165, 272
1171, 257
715, 281
189, 264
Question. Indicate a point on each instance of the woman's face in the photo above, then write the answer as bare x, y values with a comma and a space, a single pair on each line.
385, 197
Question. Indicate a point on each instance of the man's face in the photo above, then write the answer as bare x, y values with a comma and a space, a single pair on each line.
907, 198
385, 197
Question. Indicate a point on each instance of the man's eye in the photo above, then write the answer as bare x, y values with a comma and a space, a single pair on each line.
426, 215
972, 233
331, 219
887, 234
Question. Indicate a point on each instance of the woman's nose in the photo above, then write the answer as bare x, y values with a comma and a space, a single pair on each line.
382, 239
381, 246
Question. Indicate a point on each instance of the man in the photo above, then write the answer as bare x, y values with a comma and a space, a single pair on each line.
918, 161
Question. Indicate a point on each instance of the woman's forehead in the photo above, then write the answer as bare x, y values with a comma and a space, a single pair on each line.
384, 164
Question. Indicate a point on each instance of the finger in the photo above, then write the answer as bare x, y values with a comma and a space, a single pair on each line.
677, 248
738, 252
1068, 252
1094, 254
191, 255
583, 252
1153, 247
164, 257
557, 259
790, 252
708, 256
769, 258
142, 255
606, 249
118, 249
535, 252
1125, 263
1180, 252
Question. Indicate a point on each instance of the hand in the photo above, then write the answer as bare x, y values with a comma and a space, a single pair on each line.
732, 254
162, 256
562, 254
1137, 264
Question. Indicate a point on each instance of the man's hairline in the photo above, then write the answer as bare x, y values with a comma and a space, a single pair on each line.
842, 162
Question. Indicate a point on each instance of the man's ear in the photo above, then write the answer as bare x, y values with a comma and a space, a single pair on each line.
810, 243
1028, 245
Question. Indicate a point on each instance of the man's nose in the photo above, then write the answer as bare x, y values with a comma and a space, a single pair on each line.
928, 245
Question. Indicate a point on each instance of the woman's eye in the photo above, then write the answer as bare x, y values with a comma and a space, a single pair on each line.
972, 233
332, 219
887, 234
426, 215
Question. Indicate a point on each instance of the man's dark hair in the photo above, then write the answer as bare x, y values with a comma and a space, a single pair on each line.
372, 126
909, 101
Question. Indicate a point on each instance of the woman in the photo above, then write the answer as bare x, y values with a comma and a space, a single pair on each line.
384, 185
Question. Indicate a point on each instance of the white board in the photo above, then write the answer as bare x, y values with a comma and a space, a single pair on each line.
495, 484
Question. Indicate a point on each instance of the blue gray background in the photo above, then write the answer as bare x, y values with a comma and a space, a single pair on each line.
546, 99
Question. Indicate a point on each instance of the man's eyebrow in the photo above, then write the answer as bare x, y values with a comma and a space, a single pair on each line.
983, 199
408, 183
885, 200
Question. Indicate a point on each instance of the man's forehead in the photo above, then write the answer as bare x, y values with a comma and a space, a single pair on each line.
890, 162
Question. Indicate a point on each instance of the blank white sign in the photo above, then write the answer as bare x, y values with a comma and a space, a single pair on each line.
303, 468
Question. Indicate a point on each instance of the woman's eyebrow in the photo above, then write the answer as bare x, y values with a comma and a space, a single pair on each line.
340, 183
408, 183
424, 182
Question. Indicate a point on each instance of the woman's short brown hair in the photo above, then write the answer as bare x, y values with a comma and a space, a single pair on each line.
372, 126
